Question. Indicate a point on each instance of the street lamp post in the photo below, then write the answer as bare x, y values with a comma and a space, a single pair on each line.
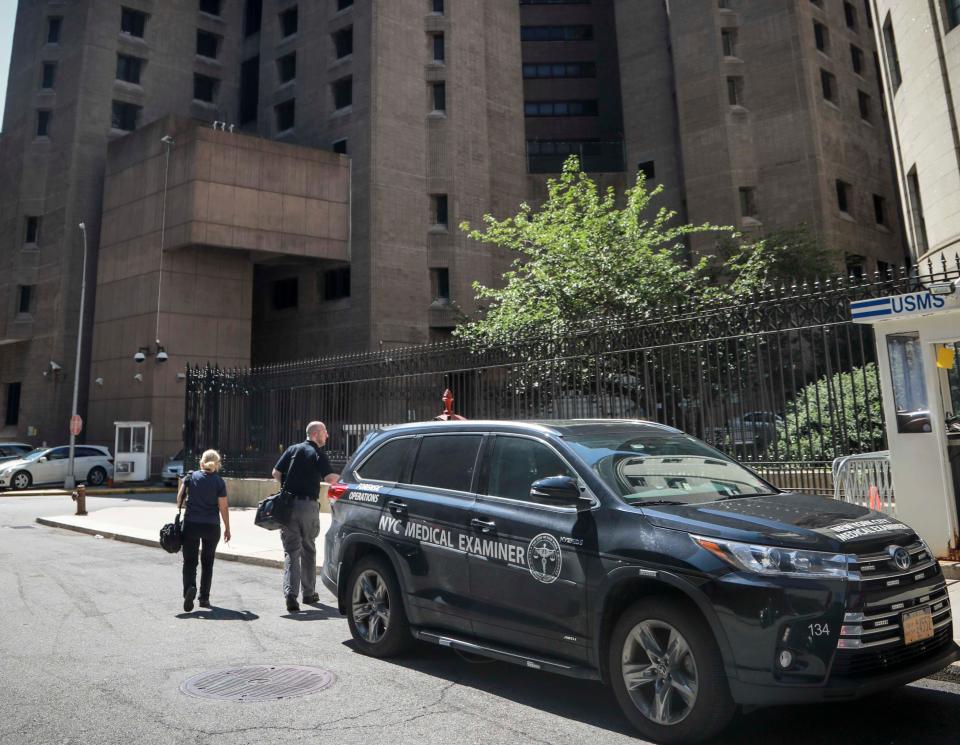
70, 481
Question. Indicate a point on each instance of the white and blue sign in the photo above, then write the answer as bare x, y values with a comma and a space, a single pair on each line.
913, 303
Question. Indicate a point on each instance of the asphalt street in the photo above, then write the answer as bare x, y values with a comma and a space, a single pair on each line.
94, 647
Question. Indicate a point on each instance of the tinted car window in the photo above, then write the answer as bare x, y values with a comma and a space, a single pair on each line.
386, 463
516, 462
87, 453
446, 461
58, 454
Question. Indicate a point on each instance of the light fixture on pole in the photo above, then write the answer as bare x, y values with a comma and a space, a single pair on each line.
70, 480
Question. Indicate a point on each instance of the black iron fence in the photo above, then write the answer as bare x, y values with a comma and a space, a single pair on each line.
784, 381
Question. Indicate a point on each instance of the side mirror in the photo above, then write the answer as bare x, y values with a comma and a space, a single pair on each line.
562, 491
42, 459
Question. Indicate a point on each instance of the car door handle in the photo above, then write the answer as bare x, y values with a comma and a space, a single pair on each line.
484, 526
396, 505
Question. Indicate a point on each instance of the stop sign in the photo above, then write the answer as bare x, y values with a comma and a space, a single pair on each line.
76, 424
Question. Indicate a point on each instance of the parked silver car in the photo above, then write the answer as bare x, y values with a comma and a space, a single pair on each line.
92, 465
13, 450
172, 470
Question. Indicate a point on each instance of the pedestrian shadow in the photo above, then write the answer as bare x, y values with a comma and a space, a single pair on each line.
219, 614
315, 612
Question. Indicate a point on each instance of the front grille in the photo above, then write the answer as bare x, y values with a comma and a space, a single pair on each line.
871, 638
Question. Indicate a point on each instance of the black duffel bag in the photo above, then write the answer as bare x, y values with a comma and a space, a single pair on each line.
274, 512
171, 535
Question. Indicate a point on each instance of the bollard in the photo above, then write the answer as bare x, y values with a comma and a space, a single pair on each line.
80, 497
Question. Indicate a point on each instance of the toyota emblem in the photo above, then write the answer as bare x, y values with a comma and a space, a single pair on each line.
900, 556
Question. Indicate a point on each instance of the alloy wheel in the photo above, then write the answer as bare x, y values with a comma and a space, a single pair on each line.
659, 672
371, 606
21, 481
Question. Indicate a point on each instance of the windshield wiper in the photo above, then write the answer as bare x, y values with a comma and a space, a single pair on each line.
655, 502
746, 496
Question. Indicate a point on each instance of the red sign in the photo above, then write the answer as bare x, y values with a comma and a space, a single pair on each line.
76, 424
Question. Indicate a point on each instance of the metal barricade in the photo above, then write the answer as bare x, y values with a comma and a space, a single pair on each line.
865, 480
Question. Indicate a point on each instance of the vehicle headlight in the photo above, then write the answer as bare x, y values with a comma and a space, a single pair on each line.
774, 561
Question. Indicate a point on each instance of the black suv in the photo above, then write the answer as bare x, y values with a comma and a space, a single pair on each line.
632, 553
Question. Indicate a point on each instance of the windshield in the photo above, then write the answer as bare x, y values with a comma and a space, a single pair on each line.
645, 466
34, 454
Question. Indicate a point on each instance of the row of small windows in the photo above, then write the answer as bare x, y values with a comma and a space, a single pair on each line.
334, 284
586, 107
556, 33
132, 23
561, 70
845, 202
850, 13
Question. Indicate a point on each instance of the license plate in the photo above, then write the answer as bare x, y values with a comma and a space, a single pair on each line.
917, 625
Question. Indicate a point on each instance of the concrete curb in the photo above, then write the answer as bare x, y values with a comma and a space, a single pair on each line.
239, 558
90, 492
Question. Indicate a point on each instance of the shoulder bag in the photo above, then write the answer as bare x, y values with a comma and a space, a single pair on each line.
171, 534
274, 512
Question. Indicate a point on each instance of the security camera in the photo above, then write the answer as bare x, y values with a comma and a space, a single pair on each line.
138, 377
162, 356
54, 367
139, 357
99, 381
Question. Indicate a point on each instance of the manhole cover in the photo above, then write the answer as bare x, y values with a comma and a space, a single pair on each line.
258, 682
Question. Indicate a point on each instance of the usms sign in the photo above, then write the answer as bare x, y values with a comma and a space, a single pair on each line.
895, 306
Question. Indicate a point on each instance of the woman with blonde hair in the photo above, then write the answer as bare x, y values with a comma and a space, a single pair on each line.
205, 494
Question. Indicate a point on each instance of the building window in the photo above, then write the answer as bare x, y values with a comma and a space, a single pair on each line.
43, 123
893, 59
211, 7
883, 269
128, 68
439, 53
54, 26
748, 202
867, 14
735, 91
289, 22
287, 67
864, 101
286, 114
850, 14
953, 13
729, 38
843, 196
561, 70
556, 33
124, 116
205, 88
249, 90
208, 45
821, 36
285, 293
879, 209
829, 85
32, 233
440, 285
343, 42
440, 216
252, 17
336, 283
12, 416
856, 58
916, 209
560, 108
24, 296
856, 265
133, 22
648, 169
339, 146
344, 4
49, 76
436, 6
439, 95
343, 93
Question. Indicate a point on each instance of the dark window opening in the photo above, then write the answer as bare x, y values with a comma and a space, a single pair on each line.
436, 6
439, 53
821, 36
735, 91
43, 122
54, 26
867, 13
893, 58
879, 209
287, 67
561, 70
440, 209
829, 85
252, 17
856, 58
286, 114
336, 283
25, 293
343, 93
208, 45
204, 88
343, 42
748, 201
856, 265
124, 116
33, 230
285, 293
864, 102
953, 13
340, 146
128, 68
12, 416
439, 91
211, 7
344, 4
729, 38
249, 90
289, 22
560, 108
556, 33
648, 169
133, 22
850, 14
883, 268
440, 284
843, 196
49, 76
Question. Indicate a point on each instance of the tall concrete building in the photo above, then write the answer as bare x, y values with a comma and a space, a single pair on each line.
760, 115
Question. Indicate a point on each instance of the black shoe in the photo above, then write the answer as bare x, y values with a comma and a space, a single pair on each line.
203, 603
311, 599
292, 605
188, 597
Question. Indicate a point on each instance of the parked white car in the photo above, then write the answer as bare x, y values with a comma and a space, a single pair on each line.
173, 470
93, 465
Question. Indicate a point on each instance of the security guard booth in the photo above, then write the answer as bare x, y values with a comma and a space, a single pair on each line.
917, 338
132, 447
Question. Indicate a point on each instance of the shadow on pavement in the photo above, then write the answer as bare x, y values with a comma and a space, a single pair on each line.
219, 614
315, 612
910, 714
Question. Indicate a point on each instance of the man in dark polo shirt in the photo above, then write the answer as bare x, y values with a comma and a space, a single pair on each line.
300, 470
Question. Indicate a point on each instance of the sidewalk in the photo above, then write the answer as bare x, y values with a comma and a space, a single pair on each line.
93, 491
141, 524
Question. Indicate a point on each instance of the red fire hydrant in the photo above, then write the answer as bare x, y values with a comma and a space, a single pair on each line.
80, 497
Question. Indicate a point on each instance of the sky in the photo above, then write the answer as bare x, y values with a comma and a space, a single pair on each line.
8, 12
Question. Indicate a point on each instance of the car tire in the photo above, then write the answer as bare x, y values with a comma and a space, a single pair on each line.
375, 611
21, 480
96, 477
676, 697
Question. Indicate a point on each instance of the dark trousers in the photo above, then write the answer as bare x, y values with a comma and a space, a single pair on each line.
199, 541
